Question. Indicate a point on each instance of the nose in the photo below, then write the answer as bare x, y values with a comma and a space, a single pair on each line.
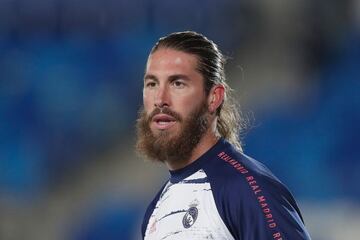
162, 97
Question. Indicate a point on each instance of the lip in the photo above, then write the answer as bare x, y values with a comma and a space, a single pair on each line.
163, 121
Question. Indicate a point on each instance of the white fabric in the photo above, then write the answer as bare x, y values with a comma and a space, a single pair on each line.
187, 210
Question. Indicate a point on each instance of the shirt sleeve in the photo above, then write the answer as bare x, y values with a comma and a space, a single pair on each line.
266, 210
255, 205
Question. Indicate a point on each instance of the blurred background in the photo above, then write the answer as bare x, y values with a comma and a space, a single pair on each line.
71, 84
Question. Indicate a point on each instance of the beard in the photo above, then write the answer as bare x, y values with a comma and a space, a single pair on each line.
167, 146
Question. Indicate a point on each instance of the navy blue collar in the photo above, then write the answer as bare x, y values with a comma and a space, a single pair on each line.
180, 174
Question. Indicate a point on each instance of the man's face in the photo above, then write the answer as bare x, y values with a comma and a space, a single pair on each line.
171, 81
174, 114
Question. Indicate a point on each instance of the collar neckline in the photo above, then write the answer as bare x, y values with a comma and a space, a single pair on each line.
182, 173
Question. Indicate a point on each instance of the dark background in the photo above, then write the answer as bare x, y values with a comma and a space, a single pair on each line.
71, 84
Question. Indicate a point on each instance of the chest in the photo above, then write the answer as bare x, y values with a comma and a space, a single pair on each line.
187, 210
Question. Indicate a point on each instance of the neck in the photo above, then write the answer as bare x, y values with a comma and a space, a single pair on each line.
208, 140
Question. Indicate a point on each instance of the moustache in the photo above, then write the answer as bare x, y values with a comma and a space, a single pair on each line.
166, 111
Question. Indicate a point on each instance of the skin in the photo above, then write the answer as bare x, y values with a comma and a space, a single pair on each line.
171, 80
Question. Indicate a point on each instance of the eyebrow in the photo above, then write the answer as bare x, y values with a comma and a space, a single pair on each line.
178, 76
150, 77
170, 78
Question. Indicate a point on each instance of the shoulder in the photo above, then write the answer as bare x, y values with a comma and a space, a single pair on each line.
253, 203
235, 170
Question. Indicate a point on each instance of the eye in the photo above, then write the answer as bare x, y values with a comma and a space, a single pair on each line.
150, 84
178, 84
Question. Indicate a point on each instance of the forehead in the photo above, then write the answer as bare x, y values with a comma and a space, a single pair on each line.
167, 58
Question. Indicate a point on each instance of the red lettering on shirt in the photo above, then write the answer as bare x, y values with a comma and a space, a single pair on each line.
261, 199
256, 189
277, 236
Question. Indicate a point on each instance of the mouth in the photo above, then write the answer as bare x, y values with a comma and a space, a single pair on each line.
163, 121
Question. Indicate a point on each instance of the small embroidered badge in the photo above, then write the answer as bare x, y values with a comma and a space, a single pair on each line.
190, 217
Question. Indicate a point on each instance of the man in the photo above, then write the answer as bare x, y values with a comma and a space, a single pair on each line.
190, 123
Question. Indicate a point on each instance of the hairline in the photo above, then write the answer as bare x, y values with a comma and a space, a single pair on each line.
198, 63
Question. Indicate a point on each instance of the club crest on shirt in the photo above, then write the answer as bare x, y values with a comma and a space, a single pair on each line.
190, 217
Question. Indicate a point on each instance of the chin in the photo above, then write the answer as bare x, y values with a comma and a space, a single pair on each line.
156, 131
168, 134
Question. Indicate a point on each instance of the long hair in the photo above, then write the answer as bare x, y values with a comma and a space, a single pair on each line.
211, 63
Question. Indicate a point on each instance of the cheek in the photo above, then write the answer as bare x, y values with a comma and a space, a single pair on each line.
186, 105
147, 101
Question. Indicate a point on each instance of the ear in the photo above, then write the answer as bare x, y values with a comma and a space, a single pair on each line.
216, 97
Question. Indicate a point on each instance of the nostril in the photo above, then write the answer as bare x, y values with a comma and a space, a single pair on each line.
161, 105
